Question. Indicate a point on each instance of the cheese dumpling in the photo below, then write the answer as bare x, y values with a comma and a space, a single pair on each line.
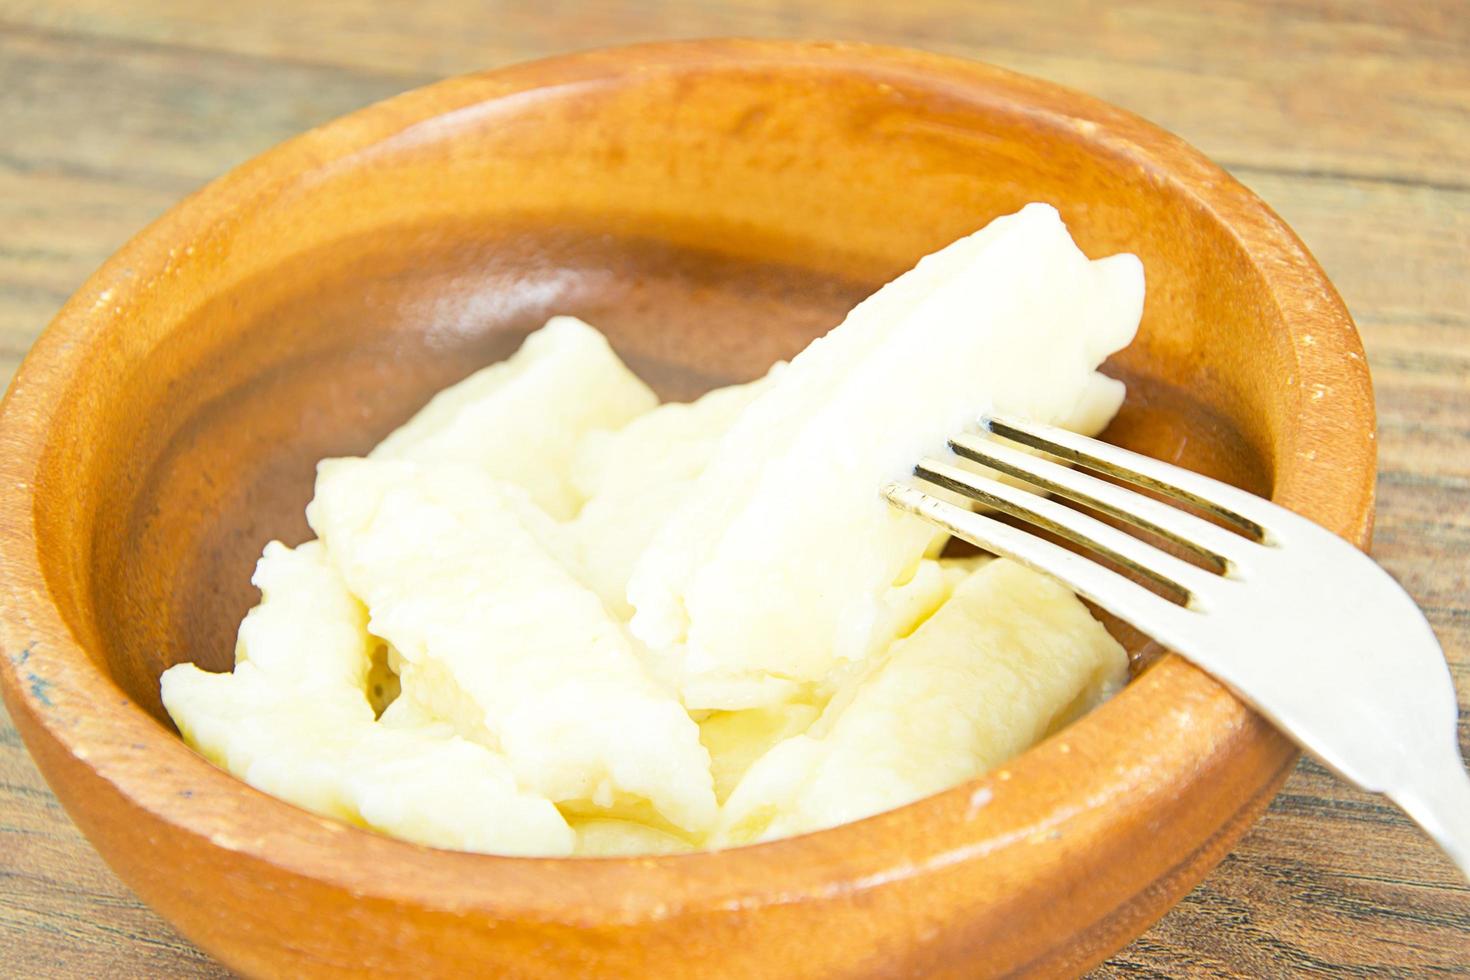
294, 721
633, 477
776, 563
979, 682
498, 638
521, 420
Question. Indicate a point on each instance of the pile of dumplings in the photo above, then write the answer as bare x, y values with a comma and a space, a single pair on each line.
551, 616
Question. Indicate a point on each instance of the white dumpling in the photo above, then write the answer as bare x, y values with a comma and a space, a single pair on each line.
777, 562
294, 721
498, 638
984, 678
621, 838
633, 477
520, 420
736, 739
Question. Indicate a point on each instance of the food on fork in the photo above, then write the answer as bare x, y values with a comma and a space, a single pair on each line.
619, 627
772, 571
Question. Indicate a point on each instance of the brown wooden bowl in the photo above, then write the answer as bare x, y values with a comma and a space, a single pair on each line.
712, 206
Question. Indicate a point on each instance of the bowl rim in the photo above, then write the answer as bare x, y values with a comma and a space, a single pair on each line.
52, 684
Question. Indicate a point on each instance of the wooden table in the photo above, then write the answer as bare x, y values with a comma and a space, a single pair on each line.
1351, 118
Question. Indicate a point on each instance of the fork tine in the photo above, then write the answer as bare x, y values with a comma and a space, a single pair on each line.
1221, 499
1190, 582
1213, 544
1120, 596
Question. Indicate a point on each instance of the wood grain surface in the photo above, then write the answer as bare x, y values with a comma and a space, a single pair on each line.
1351, 118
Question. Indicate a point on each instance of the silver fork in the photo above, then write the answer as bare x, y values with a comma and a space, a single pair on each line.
1300, 624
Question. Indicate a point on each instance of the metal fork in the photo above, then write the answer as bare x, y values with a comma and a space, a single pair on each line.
1301, 625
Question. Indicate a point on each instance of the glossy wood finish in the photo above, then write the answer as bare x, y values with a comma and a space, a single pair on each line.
712, 205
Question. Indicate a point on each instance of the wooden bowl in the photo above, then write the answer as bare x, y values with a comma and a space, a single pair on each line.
712, 206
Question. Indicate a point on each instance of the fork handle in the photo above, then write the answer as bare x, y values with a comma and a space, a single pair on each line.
1439, 801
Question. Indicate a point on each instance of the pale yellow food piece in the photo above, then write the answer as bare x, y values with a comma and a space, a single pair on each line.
330, 757
295, 721
634, 477
777, 563
623, 838
520, 420
248, 724
307, 632
673, 441
498, 638
914, 601
449, 792
956, 570
979, 682
1100, 401
912, 604
736, 739
904, 607
412, 713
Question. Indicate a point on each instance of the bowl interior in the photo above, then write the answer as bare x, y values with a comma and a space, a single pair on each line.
706, 240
